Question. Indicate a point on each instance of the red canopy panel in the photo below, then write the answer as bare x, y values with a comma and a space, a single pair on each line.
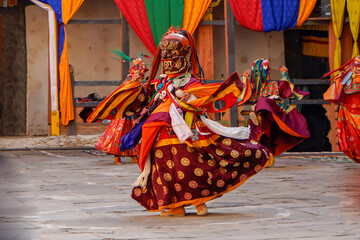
135, 13
248, 13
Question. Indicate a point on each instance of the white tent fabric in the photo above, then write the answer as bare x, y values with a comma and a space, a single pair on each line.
52, 53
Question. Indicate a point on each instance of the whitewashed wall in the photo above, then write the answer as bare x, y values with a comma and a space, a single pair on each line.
37, 70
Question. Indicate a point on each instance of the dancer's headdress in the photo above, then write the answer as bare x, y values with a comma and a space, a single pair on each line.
187, 41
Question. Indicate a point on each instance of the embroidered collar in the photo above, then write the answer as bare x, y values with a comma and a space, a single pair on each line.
181, 80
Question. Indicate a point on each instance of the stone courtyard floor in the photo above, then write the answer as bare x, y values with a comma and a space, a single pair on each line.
81, 195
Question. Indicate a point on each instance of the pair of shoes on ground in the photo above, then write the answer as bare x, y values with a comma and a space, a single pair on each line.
133, 159
117, 160
201, 210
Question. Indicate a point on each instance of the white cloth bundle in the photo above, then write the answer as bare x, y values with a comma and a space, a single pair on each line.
240, 133
179, 125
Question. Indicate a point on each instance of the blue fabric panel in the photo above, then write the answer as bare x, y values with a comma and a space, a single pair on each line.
279, 15
56, 6
129, 140
61, 41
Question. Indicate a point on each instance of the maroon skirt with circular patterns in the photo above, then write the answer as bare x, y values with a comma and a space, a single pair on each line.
182, 175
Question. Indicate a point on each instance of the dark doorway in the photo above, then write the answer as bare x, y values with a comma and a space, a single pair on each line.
310, 63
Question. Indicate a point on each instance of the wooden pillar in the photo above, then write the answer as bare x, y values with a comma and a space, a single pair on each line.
205, 49
230, 52
346, 44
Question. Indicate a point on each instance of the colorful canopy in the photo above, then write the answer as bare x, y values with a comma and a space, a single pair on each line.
271, 15
150, 19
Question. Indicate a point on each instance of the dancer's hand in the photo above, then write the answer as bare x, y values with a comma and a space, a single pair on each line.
185, 98
247, 72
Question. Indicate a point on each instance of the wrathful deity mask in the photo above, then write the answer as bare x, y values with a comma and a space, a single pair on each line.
174, 53
356, 70
356, 66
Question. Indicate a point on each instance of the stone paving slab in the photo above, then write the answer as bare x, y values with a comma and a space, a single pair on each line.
81, 195
48, 142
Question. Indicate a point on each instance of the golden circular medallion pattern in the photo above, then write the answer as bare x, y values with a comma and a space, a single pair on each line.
173, 150
247, 153
222, 170
141, 97
159, 154
180, 174
236, 164
205, 192
210, 175
187, 196
198, 172
200, 159
226, 141
170, 164
209, 181
158, 180
137, 192
167, 177
234, 174
193, 184
143, 190
219, 152
234, 153
246, 164
166, 190
129, 113
211, 162
177, 187
190, 149
185, 161
242, 177
257, 168
220, 183
160, 202
258, 154
223, 163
